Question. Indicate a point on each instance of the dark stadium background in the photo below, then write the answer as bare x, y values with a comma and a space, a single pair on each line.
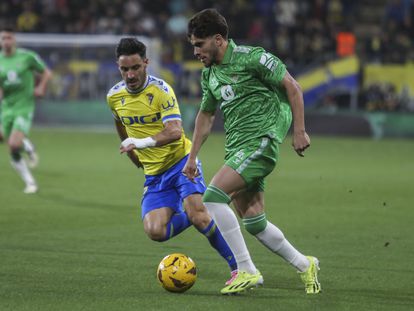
353, 58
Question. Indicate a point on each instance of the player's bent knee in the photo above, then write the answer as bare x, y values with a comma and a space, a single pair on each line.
156, 236
256, 224
14, 144
155, 233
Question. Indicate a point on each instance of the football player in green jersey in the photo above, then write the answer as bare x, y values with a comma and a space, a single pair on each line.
28, 146
257, 97
17, 82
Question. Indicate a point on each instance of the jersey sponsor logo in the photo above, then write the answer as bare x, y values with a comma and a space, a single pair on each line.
169, 104
141, 119
269, 61
227, 92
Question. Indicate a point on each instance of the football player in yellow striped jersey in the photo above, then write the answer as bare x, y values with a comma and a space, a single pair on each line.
148, 122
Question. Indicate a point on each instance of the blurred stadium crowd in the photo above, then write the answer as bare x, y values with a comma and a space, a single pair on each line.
303, 33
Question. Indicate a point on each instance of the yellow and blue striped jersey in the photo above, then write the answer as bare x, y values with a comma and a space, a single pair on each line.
143, 114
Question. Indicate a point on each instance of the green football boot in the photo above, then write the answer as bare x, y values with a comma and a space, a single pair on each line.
310, 276
242, 282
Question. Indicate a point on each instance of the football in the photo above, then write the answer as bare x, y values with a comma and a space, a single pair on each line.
177, 273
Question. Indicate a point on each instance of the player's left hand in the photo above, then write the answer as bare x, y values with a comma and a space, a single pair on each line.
300, 143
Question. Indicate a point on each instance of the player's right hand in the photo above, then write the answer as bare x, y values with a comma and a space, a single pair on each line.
39, 91
300, 143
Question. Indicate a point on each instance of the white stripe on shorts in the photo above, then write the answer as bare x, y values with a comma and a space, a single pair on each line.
255, 155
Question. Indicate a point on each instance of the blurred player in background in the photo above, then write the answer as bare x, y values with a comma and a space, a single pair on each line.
17, 82
257, 96
28, 146
148, 121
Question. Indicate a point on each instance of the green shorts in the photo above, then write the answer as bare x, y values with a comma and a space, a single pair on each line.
21, 121
254, 162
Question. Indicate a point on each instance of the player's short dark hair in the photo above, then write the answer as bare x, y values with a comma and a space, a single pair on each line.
207, 23
8, 28
131, 46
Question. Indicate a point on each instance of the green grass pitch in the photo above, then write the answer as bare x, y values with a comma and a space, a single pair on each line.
79, 243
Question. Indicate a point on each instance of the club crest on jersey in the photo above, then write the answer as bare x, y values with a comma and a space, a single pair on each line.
150, 98
123, 101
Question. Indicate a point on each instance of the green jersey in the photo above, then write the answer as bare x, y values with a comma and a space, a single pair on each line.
247, 88
17, 80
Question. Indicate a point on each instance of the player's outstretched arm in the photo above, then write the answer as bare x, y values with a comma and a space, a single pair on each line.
301, 140
202, 129
172, 131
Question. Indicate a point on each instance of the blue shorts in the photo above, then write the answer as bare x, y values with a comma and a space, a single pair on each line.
170, 188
